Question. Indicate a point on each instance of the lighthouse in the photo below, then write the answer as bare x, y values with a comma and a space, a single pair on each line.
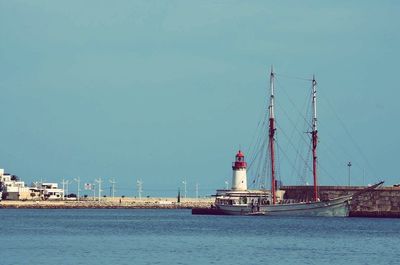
239, 177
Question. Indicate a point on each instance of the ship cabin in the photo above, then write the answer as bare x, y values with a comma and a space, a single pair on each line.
253, 197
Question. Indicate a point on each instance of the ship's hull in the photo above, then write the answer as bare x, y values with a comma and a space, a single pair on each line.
333, 208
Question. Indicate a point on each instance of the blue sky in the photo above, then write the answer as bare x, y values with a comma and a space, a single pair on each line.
163, 90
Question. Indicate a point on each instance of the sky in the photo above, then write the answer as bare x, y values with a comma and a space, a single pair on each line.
165, 91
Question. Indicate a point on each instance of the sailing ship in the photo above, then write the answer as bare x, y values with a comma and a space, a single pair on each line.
241, 201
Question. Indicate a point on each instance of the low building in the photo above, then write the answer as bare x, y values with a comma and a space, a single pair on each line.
52, 192
11, 188
47, 191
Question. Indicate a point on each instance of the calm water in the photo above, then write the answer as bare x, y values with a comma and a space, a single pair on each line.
176, 237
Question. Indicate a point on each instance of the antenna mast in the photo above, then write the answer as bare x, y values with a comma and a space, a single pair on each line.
314, 134
271, 135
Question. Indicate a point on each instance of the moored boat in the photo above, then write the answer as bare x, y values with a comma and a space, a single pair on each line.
239, 200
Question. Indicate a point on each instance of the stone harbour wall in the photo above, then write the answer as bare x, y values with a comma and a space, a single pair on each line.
382, 202
112, 203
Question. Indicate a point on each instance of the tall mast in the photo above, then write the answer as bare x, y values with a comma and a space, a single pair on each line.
271, 135
314, 134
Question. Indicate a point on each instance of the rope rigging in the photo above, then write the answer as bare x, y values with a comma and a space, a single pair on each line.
300, 152
350, 137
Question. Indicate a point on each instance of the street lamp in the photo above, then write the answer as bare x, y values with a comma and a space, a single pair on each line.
184, 182
349, 165
139, 187
113, 182
78, 181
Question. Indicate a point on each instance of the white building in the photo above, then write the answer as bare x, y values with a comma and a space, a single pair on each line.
52, 192
47, 191
14, 189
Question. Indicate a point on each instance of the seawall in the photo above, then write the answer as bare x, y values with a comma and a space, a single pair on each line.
112, 203
382, 202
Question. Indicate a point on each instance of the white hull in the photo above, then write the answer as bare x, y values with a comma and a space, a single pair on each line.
333, 208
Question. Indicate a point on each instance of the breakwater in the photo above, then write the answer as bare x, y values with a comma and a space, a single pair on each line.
111, 203
382, 202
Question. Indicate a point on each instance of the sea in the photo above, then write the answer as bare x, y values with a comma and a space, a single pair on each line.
154, 236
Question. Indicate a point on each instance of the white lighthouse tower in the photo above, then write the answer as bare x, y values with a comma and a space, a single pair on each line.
239, 176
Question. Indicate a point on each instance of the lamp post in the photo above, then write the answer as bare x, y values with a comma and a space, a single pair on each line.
78, 181
184, 186
65, 187
99, 181
113, 182
94, 191
349, 165
139, 187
